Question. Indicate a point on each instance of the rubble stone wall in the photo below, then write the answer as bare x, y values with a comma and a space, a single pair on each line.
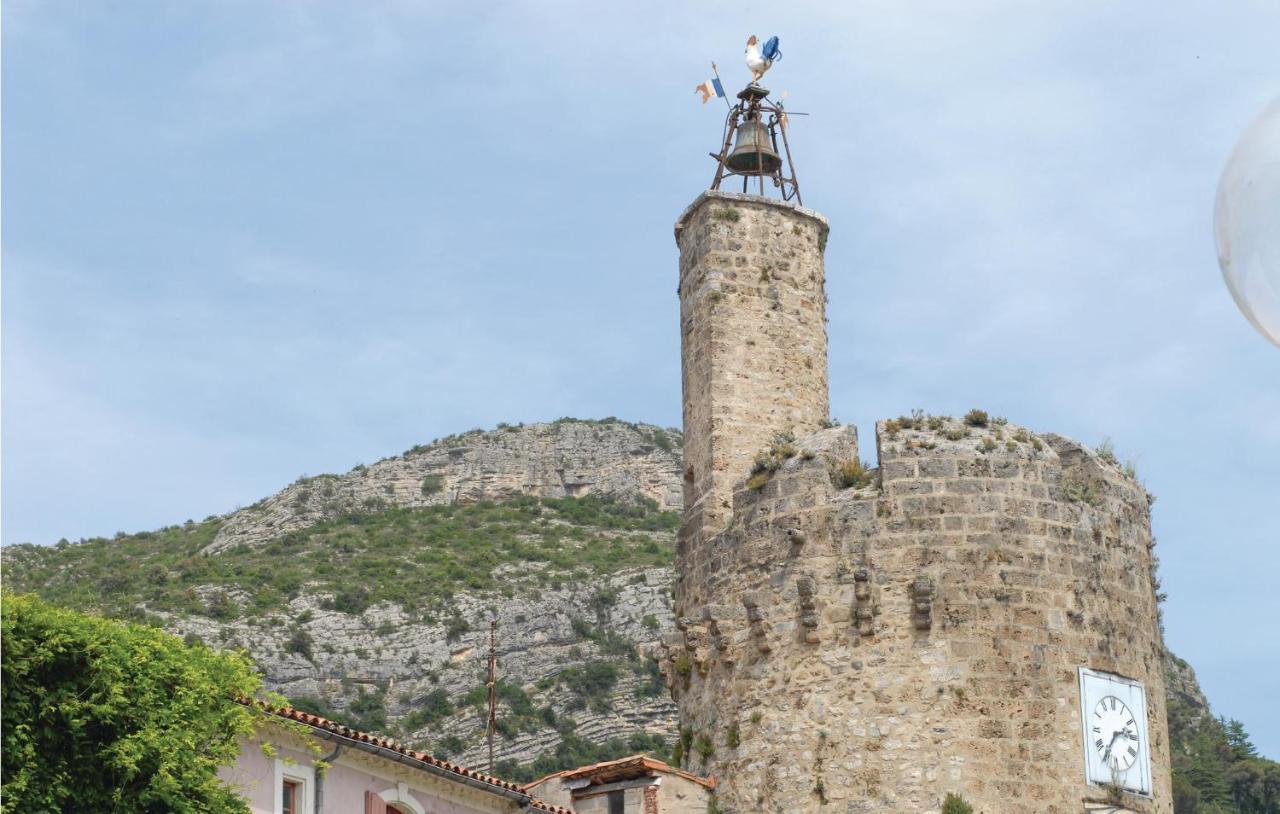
754, 335
872, 649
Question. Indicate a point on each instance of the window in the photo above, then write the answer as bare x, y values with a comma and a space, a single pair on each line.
290, 798
617, 802
294, 787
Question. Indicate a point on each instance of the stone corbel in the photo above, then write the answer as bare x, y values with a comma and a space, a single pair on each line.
807, 588
922, 591
755, 619
864, 611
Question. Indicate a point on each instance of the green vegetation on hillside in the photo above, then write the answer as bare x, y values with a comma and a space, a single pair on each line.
105, 716
574, 751
415, 557
1216, 769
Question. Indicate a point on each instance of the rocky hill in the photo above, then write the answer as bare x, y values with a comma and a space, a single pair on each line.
565, 458
367, 596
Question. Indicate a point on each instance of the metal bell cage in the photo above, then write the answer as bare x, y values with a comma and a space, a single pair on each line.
752, 131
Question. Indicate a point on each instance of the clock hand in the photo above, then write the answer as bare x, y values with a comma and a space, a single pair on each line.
1107, 753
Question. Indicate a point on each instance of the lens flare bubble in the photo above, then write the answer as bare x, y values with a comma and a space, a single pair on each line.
1246, 223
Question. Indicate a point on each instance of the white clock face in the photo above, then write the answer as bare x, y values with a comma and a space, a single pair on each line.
1115, 734
1113, 718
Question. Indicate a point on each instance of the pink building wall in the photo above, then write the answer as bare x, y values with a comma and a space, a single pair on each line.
258, 776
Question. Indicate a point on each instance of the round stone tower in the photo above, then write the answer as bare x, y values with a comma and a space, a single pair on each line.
754, 339
955, 621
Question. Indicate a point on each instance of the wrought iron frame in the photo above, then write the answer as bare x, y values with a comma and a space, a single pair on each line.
754, 105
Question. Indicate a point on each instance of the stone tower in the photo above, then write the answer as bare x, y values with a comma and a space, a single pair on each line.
754, 334
874, 640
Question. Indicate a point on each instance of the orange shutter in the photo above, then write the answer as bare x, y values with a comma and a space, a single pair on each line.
373, 804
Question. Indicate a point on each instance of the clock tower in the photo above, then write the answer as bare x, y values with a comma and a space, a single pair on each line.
971, 613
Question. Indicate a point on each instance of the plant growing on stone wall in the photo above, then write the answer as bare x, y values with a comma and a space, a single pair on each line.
853, 475
771, 460
1080, 489
683, 664
727, 214
1115, 794
955, 804
986, 445
733, 738
976, 418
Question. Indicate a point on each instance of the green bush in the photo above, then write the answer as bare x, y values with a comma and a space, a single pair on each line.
432, 707
853, 475
432, 484
106, 716
955, 804
300, 642
662, 441
592, 682
369, 711
573, 751
977, 418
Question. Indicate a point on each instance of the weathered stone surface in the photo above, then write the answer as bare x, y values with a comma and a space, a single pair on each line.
561, 459
754, 339
987, 564
948, 661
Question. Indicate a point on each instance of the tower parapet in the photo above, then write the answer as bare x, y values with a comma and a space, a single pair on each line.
876, 646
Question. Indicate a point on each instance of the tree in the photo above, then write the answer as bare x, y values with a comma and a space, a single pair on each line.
1242, 747
101, 715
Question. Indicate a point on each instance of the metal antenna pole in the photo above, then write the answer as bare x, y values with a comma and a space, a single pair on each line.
493, 686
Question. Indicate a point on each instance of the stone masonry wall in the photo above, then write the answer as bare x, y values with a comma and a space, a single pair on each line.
754, 339
872, 649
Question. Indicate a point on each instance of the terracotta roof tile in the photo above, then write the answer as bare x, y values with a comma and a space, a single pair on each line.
612, 768
318, 722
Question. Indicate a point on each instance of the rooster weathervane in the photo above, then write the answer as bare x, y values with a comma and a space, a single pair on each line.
760, 60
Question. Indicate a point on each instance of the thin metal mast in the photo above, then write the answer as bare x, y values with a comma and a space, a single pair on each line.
493, 686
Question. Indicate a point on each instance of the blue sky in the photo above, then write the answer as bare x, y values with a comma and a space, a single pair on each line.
248, 241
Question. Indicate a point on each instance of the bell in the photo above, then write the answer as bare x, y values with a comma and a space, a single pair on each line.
753, 153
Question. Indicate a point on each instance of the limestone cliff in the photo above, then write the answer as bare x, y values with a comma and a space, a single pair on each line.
564, 458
